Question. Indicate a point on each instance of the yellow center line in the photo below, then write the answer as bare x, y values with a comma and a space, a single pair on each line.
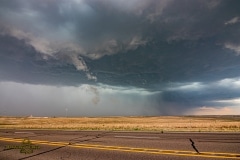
131, 149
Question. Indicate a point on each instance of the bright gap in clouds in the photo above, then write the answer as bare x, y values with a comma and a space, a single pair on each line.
209, 110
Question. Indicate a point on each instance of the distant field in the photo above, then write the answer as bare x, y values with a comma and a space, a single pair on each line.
161, 123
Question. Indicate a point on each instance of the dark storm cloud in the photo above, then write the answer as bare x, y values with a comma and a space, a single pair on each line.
178, 98
143, 44
20, 62
198, 94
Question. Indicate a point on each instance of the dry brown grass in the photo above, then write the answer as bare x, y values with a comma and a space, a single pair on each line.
161, 123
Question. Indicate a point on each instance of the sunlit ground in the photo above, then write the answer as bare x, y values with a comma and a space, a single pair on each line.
161, 123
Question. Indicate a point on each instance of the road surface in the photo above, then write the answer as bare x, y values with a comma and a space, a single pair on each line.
109, 145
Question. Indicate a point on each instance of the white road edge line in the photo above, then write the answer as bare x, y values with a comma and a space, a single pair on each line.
136, 137
24, 132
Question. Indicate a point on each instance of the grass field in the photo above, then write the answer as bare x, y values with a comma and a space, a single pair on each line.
161, 123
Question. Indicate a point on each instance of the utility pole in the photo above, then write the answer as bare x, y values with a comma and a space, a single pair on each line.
66, 114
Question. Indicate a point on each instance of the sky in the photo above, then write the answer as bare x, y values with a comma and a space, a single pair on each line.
119, 57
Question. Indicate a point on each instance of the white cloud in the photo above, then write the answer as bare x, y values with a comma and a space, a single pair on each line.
235, 101
135, 42
78, 62
232, 21
125, 90
234, 47
191, 86
228, 83
233, 83
40, 44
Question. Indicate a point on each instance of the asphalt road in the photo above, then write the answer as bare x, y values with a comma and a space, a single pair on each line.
103, 145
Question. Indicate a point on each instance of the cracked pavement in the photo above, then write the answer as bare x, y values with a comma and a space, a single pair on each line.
91, 145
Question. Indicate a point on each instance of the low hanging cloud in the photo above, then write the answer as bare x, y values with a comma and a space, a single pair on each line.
67, 32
